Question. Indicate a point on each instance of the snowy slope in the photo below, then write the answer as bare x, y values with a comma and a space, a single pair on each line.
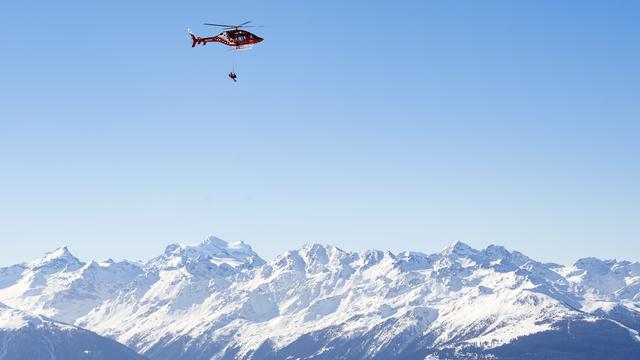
27, 337
221, 300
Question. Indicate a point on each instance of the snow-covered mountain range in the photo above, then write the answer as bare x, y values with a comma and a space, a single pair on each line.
219, 300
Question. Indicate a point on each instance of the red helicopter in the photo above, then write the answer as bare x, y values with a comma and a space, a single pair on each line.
232, 36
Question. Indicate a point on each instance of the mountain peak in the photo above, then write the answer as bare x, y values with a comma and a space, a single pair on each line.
594, 265
216, 244
60, 258
212, 249
62, 251
314, 248
460, 249
321, 253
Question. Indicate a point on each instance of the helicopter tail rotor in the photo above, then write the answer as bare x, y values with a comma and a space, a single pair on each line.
193, 37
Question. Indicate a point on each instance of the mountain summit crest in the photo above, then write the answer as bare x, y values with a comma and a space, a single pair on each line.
60, 258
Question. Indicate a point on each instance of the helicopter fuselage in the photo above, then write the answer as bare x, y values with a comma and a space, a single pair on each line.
236, 38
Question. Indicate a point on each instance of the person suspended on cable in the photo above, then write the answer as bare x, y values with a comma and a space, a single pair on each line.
233, 76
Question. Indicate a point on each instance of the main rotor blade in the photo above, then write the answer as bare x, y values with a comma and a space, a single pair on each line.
234, 26
220, 25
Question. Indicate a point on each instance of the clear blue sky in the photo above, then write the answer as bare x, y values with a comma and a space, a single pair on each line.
366, 124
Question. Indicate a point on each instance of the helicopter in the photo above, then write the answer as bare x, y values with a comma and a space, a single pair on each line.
232, 36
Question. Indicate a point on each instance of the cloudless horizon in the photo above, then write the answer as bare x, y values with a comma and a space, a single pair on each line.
402, 126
